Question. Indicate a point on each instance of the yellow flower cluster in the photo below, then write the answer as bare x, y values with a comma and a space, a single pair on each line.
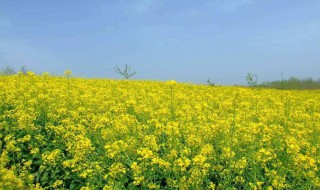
73, 133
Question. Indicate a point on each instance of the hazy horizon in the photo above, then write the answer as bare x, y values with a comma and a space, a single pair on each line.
187, 41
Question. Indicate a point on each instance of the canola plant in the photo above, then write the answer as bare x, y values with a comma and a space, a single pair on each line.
76, 133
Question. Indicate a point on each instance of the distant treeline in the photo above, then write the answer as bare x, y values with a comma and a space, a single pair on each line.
11, 71
293, 83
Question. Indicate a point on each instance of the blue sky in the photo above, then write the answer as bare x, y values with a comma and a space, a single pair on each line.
188, 41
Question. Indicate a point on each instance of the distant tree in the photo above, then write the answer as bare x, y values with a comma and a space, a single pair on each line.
8, 71
23, 69
252, 80
282, 76
210, 83
125, 72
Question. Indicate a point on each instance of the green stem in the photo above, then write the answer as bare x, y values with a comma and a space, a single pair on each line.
171, 102
68, 91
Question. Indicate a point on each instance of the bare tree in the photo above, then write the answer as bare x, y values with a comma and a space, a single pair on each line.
23, 69
125, 72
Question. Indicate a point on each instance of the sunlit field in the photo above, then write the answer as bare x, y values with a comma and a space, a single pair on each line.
76, 133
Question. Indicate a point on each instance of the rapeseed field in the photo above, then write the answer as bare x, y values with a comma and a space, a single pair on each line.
76, 133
